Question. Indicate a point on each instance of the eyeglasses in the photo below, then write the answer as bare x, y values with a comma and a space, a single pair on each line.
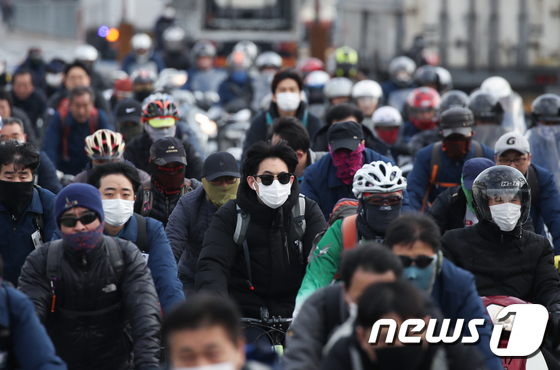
507, 161
85, 219
220, 180
283, 178
379, 200
422, 261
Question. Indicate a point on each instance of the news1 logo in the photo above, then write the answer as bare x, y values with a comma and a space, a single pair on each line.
525, 336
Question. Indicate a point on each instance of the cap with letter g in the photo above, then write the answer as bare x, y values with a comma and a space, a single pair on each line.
512, 141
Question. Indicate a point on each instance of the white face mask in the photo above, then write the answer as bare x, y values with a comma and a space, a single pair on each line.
506, 215
53, 79
117, 211
221, 366
288, 101
159, 133
275, 194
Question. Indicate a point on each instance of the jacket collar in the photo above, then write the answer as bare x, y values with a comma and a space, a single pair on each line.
130, 230
492, 233
273, 110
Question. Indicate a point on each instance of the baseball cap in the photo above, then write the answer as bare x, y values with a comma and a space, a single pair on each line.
456, 120
346, 134
512, 141
220, 164
128, 110
472, 168
167, 150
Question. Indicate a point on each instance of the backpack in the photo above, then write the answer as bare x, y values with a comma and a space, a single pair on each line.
343, 209
93, 126
54, 255
435, 166
148, 196
243, 218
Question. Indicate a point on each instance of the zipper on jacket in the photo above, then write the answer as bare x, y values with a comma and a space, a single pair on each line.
167, 207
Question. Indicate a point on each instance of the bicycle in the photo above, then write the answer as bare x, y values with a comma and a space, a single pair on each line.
274, 329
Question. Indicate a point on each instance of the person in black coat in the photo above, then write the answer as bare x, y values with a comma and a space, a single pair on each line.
286, 101
276, 241
28, 98
98, 301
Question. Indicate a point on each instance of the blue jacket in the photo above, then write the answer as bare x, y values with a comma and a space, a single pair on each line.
548, 210
46, 175
160, 261
456, 295
450, 172
186, 228
129, 62
230, 90
76, 139
204, 80
321, 184
32, 346
407, 131
16, 243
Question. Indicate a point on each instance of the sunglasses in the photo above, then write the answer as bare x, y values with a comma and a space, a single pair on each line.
85, 219
381, 200
283, 178
422, 261
220, 180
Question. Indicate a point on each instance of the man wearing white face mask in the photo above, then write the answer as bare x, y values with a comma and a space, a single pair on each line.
117, 183
504, 258
286, 87
257, 245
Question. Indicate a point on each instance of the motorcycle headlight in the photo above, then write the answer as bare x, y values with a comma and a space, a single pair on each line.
493, 311
207, 126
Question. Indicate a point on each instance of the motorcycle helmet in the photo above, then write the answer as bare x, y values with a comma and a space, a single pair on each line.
314, 83
346, 62
419, 101
367, 89
456, 120
486, 107
173, 38
104, 144
387, 116
204, 49
435, 77
496, 85
141, 47
159, 105
338, 87
309, 65
401, 70
269, 59
453, 98
546, 108
250, 49
86, 54
500, 182
377, 177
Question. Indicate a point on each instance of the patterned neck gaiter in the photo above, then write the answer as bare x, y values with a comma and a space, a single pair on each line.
347, 162
84, 242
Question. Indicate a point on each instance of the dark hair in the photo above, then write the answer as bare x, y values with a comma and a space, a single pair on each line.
75, 64
342, 111
291, 130
14, 121
22, 155
21, 72
204, 311
81, 90
5, 95
115, 168
370, 257
284, 74
380, 299
260, 151
410, 228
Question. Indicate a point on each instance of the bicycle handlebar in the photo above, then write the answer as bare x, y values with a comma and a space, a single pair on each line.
271, 321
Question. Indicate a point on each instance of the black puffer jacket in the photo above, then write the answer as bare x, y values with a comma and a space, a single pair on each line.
87, 283
516, 263
277, 264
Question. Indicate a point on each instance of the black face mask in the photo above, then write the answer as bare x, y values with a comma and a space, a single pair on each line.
373, 221
15, 196
130, 132
142, 94
400, 357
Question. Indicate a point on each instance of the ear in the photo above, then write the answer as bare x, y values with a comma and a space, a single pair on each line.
496, 159
274, 97
241, 357
529, 157
25, 138
251, 181
299, 154
135, 197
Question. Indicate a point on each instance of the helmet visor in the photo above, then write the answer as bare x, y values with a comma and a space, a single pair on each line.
162, 122
504, 195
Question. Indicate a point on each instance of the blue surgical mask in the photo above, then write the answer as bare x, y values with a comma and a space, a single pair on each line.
239, 76
423, 278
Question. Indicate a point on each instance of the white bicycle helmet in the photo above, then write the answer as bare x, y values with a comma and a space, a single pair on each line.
316, 79
367, 89
249, 48
378, 177
338, 87
86, 53
269, 59
387, 116
104, 144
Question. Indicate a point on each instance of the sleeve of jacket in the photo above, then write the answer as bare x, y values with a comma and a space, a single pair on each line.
28, 332
51, 145
140, 301
322, 268
307, 185
33, 281
308, 335
546, 282
163, 266
256, 132
194, 162
218, 253
549, 204
419, 178
488, 153
47, 199
439, 210
47, 174
447, 247
177, 229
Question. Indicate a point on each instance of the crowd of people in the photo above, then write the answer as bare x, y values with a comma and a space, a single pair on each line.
124, 245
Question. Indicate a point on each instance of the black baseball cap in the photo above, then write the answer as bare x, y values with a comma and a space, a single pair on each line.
220, 164
128, 110
346, 134
167, 150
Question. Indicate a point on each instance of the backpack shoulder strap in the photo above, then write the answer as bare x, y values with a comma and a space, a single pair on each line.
298, 213
94, 121
241, 226
147, 198
435, 164
304, 119
478, 152
533, 181
349, 232
141, 236
115, 255
54, 254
